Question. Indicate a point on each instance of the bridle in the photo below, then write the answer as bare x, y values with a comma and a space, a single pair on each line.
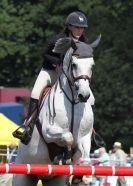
85, 77
74, 79
71, 84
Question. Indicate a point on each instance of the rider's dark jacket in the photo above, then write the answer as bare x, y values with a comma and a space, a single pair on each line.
51, 58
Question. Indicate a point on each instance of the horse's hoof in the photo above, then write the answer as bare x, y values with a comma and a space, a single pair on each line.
69, 180
73, 180
58, 160
68, 161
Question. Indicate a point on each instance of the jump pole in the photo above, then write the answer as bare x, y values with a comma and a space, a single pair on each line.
65, 169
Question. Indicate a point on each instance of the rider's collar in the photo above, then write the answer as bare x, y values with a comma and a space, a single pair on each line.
74, 39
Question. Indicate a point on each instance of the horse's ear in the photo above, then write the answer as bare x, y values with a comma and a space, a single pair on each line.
96, 42
62, 45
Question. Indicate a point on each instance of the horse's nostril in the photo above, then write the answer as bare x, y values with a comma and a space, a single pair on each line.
82, 98
77, 87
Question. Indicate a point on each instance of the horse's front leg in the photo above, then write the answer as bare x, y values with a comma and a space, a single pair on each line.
67, 137
62, 137
84, 145
56, 134
67, 141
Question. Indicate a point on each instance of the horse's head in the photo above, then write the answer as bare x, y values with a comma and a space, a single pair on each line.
77, 64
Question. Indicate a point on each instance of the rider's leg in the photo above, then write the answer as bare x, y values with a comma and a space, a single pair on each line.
44, 79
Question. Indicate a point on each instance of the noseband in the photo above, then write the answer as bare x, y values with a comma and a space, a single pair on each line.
85, 77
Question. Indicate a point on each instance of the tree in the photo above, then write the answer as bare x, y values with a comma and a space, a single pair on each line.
113, 74
20, 42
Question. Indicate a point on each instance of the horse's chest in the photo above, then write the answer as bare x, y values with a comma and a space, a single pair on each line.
83, 118
73, 116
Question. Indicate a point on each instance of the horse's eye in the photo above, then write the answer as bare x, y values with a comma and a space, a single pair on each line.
74, 65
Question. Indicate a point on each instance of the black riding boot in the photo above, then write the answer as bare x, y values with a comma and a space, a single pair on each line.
26, 135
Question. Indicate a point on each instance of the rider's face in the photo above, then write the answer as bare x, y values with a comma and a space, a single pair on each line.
76, 31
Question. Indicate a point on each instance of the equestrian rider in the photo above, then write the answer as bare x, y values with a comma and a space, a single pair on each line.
76, 23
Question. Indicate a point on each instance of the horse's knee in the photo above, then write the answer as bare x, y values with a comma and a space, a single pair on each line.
54, 131
68, 138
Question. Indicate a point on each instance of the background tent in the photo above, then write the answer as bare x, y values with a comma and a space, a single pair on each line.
6, 128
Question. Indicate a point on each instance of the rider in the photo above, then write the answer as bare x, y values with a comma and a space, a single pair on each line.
75, 25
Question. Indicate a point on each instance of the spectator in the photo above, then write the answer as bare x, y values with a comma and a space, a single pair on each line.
131, 160
120, 160
120, 155
6, 179
101, 158
112, 157
104, 161
104, 156
95, 161
11, 152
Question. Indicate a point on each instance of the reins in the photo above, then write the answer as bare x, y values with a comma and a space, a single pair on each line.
53, 104
71, 101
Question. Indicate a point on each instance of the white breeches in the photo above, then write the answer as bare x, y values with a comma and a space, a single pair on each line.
45, 78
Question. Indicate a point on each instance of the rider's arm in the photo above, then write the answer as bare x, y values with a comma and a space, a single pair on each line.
51, 59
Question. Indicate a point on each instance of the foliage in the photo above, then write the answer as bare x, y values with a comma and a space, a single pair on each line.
20, 42
27, 24
113, 74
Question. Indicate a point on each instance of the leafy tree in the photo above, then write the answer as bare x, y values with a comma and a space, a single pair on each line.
21, 40
113, 73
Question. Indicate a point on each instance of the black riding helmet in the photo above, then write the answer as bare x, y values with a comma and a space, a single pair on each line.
76, 19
